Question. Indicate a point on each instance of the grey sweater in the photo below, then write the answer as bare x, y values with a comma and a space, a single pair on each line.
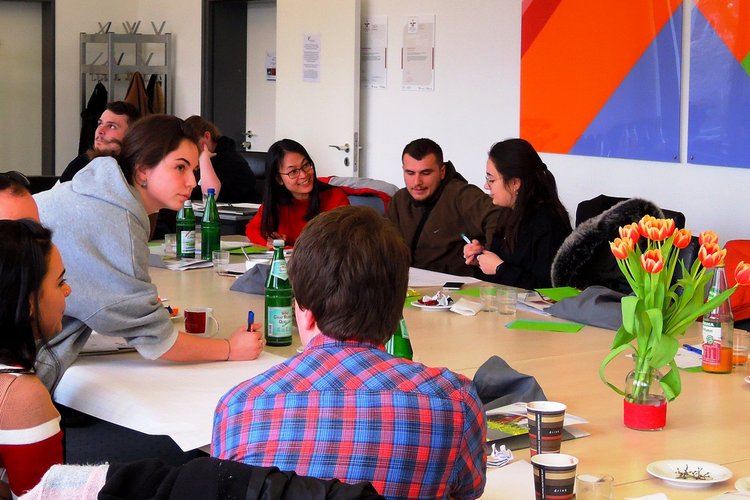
101, 230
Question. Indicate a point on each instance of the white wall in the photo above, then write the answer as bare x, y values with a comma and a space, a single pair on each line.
475, 103
183, 20
21, 87
476, 97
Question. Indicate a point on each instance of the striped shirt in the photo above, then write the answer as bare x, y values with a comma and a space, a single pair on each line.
348, 410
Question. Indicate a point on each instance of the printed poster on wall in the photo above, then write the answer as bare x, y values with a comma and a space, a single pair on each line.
602, 78
718, 127
418, 53
311, 57
373, 65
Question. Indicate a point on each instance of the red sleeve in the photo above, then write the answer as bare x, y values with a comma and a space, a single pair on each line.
332, 198
27, 463
252, 230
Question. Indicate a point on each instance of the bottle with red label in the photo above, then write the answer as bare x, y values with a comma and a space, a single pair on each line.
718, 328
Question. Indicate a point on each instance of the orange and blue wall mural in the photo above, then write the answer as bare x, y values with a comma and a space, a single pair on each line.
602, 78
718, 120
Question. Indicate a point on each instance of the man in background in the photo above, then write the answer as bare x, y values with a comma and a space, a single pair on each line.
436, 207
344, 408
113, 123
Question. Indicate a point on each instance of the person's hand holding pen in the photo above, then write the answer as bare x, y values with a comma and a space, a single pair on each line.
476, 254
246, 342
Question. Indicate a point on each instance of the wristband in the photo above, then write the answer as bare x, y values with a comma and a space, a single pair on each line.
229, 346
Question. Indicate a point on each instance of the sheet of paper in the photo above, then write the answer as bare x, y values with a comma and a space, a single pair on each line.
423, 277
102, 344
149, 386
511, 482
544, 326
559, 293
374, 42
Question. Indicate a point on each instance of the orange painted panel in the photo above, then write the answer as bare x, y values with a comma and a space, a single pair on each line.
730, 21
578, 60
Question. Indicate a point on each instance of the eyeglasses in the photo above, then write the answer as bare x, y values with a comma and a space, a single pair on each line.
13, 176
294, 173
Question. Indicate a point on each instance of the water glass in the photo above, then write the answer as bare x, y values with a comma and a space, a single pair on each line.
170, 244
506, 300
220, 258
594, 487
488, 297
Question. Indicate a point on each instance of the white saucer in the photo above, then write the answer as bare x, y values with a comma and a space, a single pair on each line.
743, 484
667, 470
416, 303
747, 379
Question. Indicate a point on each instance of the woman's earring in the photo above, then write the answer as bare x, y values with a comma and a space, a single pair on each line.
144, 185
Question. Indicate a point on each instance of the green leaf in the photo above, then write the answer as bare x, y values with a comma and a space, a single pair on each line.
629, 305
664, 352
671, 383
622, 337
612, 355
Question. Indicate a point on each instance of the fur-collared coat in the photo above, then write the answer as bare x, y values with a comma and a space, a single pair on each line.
585, 259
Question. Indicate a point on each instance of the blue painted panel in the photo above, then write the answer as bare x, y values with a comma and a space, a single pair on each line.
719, 114
641, 120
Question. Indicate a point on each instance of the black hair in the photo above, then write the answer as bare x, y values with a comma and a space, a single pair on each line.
275, 193
25, 247
517, 159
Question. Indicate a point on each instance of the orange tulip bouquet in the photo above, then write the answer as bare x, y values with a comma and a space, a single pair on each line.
659, 310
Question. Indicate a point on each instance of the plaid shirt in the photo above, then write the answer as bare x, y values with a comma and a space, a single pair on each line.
348, 410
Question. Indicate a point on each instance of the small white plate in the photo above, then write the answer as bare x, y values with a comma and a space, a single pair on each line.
747, 379
416, 303
743, 484
667, 470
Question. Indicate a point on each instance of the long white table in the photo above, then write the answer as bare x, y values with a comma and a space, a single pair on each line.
709, 421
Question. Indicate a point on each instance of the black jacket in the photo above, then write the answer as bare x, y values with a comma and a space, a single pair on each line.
210, 478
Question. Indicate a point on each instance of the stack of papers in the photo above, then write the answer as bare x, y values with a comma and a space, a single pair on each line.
103, 344
508, 425
174, 264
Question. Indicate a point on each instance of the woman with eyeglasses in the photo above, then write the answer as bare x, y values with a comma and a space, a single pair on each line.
530, 233
32, 300
292, 195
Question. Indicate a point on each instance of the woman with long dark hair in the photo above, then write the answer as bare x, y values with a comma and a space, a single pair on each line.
292, 195
32, 300
531, 231
101, 226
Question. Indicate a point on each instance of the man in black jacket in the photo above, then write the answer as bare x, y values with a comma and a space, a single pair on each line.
113, 123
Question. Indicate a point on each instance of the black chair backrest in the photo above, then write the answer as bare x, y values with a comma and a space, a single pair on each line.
256, 160
41, 183
593, 207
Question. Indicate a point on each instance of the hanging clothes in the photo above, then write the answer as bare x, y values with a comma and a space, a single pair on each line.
90, 117
136, 94
155, 93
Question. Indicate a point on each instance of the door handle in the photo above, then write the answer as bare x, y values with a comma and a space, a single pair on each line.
345, 148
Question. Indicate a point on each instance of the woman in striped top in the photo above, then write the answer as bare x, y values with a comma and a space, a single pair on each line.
32, 302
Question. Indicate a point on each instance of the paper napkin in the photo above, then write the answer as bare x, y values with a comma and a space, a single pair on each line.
466, 307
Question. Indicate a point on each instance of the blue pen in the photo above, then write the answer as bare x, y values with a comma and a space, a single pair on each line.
250, 320
692, 349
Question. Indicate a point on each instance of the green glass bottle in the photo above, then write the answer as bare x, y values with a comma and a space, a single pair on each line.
210, 227
399, 345
279, 313
186, 231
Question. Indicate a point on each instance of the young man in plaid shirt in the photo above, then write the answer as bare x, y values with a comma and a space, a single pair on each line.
344, 408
